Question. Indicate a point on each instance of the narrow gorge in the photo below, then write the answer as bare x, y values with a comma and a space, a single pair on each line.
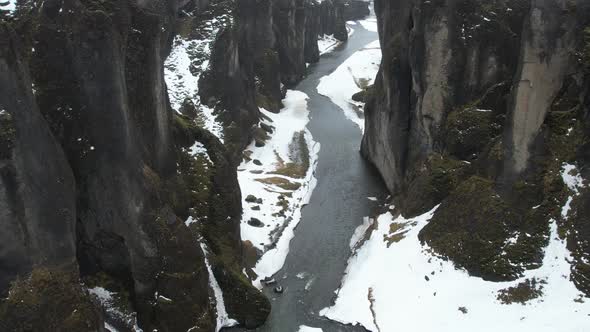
294, 165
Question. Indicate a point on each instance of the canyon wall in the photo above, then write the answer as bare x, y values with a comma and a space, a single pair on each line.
100, 183
478, 107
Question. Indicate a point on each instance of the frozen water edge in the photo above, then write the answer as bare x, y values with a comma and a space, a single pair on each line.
405, 288
274, 237
352, 76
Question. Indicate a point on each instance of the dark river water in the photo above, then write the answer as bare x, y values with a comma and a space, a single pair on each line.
320, 250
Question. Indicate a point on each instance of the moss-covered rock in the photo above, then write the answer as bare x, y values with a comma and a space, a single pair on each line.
365, 95
578, 244
7, 135
469, 130
471, 228
431, 183
522, 293
49, 300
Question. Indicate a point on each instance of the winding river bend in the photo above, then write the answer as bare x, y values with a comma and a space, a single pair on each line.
319, 252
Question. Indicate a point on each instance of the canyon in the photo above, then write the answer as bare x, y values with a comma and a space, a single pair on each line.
175, 165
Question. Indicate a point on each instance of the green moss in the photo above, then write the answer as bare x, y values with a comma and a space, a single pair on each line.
49, 300
522, 293
281, 183
471, 227
365, 95
432, 182
299, 154
7, 135
468, 131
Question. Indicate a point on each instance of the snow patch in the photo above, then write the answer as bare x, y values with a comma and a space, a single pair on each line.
405, 288
304, 328
107, 300
355, 74
369, 24
223, 319
279, 209
327, 43
8, 6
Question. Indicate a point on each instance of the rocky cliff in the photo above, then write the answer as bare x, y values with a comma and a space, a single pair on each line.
480, 106
108, 174
261, 53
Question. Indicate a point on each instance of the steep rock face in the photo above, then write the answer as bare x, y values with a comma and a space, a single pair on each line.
549, 36
98, 179
437, 56
470, 97
99, 78
356, 9
263, 50
37, 189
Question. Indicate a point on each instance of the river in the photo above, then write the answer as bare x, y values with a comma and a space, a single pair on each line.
320, 250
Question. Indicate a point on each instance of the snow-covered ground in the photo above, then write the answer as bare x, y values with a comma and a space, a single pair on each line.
281, 191
327, 43
369, 23
304, 328
355, 74
188, 59
9, 5
404, 288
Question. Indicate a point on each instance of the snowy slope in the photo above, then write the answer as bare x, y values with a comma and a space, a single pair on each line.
274, 237
405, 288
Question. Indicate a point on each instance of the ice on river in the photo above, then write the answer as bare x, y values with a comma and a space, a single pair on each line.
267, 177
355, 74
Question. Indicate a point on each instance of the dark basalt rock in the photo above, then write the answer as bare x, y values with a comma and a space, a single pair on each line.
255, 222
444, 62
94, 170
50, 300
37, 187
356, 9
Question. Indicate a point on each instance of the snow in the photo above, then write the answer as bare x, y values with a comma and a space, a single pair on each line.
223, 319
108, 302
182, 82
572, 178
10, 6
369, 24
110, 327
327, 43
385, 289
273, 239
356, 72
360, 232
304, 328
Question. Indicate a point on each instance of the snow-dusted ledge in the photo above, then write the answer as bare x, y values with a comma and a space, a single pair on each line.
405, 288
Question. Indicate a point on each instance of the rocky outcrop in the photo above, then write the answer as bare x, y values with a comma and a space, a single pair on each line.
37, 188
356, 9
550, 33
264, 50
469, 97
100, 180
